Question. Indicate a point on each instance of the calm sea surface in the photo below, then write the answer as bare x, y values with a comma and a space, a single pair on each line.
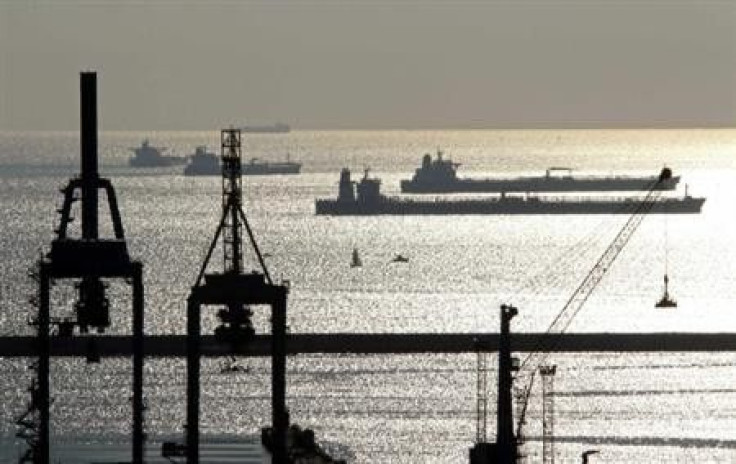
402, 409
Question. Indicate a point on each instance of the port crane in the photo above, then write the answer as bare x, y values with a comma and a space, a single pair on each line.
575, 302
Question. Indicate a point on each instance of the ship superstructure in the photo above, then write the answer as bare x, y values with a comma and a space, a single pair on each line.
148, 156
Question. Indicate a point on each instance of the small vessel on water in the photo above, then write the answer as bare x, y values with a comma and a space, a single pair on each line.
203, 163
355, 261
148, 156
400, 259
439, 175
370, 201
277, 128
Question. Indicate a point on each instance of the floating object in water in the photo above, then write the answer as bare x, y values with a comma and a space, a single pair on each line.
400, 259
356, 262
666, 301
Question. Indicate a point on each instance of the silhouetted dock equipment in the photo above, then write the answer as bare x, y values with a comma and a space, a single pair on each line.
534, 361
235, 292
86, 260
548, 413
505, 449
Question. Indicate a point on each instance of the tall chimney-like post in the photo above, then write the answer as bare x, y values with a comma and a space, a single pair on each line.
88, 136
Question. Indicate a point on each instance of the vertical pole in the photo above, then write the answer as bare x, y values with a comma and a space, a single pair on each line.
548, 413
505, 440
138, 406
236, 265
192, 426
88, 136
280, 415
44, 342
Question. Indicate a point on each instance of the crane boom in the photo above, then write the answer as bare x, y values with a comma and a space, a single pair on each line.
581, 294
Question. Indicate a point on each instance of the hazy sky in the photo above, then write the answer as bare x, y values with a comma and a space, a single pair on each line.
370, 64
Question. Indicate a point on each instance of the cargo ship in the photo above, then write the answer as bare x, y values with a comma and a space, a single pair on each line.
257, 167
148, 156
203, 163
439, 175
365, 198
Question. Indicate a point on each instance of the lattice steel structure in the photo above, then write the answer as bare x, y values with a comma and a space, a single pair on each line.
235, 291
548, 413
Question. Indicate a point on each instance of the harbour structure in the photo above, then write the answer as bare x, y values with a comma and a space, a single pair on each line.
88, 260
505, 449
235, 292
534, 362
103, 260
174, 346
439, 175
148, 156
548, 413
365, 198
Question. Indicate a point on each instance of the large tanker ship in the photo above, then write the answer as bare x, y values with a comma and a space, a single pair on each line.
439, 175
203, 163
365, 198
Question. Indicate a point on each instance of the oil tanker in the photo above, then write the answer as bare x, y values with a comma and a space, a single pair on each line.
439, 175
203, 163
365, 198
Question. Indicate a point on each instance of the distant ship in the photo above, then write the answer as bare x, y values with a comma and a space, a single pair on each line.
148, 156
370, 201
277, 128
208, 164
203, 163
257, 167
440, 176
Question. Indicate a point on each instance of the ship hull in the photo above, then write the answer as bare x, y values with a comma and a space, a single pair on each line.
389, 206
161, 162
538, 184
271, 168
247, 169
193, 171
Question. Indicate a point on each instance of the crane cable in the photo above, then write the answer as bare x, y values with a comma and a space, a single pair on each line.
567, 257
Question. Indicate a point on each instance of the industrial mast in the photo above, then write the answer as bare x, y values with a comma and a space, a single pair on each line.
235, 292
87, 260
505, 449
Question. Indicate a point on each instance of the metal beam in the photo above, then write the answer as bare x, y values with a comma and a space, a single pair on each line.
175, 345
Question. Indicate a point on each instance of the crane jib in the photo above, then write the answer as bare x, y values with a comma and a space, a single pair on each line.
574, 304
